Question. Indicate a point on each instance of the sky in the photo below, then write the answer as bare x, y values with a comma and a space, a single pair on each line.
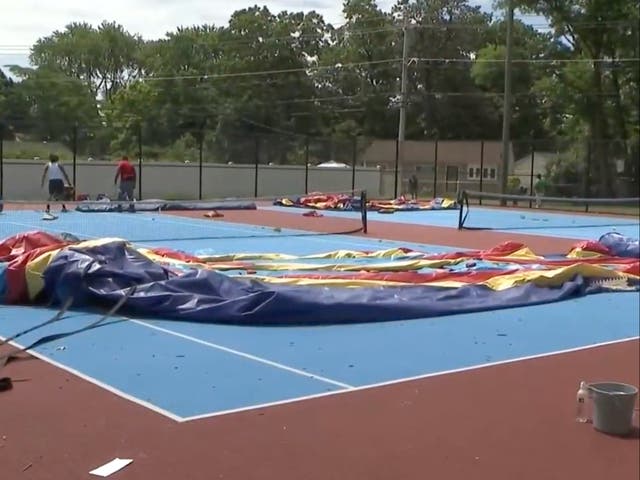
23, 22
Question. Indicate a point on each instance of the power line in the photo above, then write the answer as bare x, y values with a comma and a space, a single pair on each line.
344, 66
532, 60
23, 48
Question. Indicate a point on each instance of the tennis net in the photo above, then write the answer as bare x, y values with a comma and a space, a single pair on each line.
493, 211
152, 221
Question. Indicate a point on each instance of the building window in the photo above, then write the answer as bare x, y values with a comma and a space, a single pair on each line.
474, 173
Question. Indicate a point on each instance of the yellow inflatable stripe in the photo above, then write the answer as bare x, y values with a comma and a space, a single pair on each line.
524, 253
580, 253
33, 272
377, 267
547, 278
552, 278
336, 254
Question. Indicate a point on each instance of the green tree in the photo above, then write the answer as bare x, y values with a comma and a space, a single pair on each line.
600, 85
56, 103
357, 91
107, 58
444, 100
531, 50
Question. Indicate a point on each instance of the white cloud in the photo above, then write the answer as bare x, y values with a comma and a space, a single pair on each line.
25, 21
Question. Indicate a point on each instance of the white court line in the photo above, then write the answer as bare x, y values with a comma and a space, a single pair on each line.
242, 354
347, 390
406, 380
98, 383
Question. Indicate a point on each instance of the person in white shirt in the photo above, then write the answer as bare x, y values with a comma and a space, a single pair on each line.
57, 176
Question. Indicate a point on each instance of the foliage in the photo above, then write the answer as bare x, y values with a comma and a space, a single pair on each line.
291, 74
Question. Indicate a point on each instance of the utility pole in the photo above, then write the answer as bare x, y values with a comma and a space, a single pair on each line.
506, 117
403, 90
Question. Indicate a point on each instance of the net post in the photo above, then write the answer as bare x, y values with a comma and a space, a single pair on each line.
363, 210
460, 200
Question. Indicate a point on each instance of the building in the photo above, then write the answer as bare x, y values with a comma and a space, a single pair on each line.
441, 166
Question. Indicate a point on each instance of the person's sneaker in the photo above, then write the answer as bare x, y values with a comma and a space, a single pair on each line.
48, 216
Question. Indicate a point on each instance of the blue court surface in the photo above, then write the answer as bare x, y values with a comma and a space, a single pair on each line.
188, 371
512, 220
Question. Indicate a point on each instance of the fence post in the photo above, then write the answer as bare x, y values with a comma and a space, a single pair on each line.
200, 148
140, 162
306, 164
481, 167
257, 163
587, 183
531, 172
395, 183
435, 169
75, 153
353, 163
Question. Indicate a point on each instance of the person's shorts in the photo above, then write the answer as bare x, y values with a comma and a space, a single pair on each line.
126, 189
56, 189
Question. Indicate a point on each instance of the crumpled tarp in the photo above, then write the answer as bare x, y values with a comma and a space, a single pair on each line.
102, 274
164, 205
341, 201
620, 245
178, 286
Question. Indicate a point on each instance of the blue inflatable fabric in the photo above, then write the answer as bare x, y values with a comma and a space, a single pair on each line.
621, 246
157, 205
103, 274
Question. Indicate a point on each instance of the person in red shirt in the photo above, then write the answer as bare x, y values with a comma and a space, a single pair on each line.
127, 175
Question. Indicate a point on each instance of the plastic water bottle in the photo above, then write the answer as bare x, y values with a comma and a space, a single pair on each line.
582, 407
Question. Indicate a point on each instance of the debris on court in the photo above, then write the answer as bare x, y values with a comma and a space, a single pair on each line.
111, 467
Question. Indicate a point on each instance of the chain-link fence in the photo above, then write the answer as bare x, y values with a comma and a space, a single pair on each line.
197, 161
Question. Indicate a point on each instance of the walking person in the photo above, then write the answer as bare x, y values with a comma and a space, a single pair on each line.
57, 175
539, 189
413, 186
126, 172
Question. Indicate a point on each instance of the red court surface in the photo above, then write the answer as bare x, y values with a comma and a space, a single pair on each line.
502, 422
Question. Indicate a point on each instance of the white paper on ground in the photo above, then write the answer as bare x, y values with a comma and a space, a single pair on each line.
112, 467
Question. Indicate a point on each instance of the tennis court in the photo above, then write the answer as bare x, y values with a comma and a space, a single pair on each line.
189, 372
